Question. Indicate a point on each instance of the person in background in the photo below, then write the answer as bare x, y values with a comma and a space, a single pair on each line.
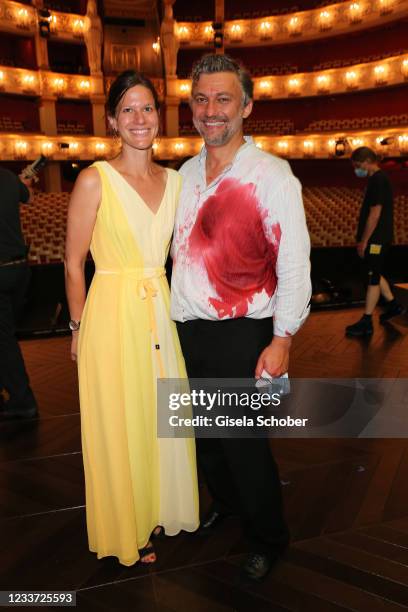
240, 290
14, 281
374, 237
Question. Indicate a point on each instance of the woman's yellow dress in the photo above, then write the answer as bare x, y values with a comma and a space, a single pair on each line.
134, 480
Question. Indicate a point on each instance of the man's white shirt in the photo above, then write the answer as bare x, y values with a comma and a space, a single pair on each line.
241, 245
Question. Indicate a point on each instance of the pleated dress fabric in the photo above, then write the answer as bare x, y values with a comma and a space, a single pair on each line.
134, 480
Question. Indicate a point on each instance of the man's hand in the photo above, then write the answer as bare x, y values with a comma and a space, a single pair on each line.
361, 247
28, 182
275, 357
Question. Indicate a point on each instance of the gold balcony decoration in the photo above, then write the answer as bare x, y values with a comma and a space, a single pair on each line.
294, 85
380, 74
47, 148
323, 83
265, 30
283, 147
21, 149
403, 143
1, 80
404, 68
28, 82
236, 32
59, 85
78, 25
155, 148
352, 79
357, 142
184, 90
179, 148
53, 23
325, 20
156, 46
23, 18
84, 87
331, 146
308, 148
265, 88
184, 34
355, 12
385, 6
100, 149
208, 34
382, 144
295, 26
73, 150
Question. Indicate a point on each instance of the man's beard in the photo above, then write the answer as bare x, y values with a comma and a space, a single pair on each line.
218, 139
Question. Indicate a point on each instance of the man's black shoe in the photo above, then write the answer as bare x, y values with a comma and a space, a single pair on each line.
10, 413
391, 311
210, 522
363, 327
257, 566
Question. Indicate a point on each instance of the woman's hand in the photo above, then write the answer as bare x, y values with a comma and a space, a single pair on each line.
74, 346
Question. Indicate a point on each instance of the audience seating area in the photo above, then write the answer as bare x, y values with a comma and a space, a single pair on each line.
328, 125
331, 217
44, 225
286, 126
332, 214
341, 63
252, 126
269, 126
276, 70
71, 127
7, 124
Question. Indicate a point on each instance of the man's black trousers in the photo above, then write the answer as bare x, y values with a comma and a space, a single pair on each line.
240, 473
14, 280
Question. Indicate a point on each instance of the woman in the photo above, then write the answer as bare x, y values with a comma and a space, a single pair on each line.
123, 210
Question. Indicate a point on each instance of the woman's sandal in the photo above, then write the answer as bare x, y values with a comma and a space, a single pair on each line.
158, 533
147, 551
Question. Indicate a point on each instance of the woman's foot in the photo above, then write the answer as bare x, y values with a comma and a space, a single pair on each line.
147, 554
158, 532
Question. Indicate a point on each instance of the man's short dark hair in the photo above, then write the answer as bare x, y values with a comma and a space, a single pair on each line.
212, 63
363, 154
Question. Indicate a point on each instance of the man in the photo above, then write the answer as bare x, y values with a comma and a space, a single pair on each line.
14, 279
240, 257
374, 236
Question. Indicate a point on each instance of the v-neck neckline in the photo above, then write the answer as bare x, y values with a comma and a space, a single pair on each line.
155, 214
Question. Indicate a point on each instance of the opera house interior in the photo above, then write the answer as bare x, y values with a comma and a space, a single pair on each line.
329, 77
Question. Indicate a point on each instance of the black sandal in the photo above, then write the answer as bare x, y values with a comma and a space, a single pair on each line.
145, 552
159, 535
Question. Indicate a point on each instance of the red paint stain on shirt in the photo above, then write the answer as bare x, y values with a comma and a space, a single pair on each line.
229, 238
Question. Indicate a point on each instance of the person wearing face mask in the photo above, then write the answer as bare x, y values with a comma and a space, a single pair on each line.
137, 485
374, 236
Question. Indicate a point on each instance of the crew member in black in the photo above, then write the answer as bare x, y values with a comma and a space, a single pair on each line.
374, 236
14, 280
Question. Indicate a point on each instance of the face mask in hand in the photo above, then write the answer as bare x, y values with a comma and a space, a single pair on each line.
361, 172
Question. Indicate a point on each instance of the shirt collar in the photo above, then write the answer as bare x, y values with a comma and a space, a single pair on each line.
247, 145
248, 141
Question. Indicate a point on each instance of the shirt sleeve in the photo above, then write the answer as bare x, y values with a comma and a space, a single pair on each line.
23, 191
293, 261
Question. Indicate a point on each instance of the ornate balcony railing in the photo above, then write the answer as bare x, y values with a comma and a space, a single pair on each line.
390, 141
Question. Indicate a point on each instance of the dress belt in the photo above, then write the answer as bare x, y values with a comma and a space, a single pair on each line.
145, 291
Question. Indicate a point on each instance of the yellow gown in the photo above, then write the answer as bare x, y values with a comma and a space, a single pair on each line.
134, 480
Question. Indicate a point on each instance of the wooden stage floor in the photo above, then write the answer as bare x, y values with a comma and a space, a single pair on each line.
346, 501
